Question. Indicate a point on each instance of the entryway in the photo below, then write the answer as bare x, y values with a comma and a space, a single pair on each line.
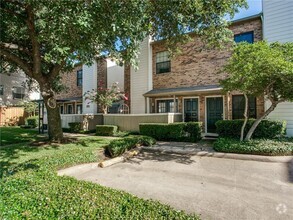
214, 112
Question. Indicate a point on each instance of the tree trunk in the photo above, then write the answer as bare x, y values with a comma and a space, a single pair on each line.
245, 117
54, 120
257, 121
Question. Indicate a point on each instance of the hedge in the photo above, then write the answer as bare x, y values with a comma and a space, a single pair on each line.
266, 129
32, 121
119, 146
106, 130
277, 147
74, 127
182, 131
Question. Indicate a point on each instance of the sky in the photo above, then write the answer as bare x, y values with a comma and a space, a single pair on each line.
255, 7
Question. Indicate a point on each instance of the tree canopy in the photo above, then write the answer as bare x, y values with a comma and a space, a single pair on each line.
45, 38
261, 69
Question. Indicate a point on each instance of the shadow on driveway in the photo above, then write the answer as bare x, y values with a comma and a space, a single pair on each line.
145, 155
290, 171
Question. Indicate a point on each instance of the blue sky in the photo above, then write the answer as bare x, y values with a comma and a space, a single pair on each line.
255, 7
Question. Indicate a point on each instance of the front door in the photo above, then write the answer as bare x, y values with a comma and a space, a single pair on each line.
214, 112
191, 109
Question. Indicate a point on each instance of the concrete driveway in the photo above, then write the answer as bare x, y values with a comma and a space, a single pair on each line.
215, 188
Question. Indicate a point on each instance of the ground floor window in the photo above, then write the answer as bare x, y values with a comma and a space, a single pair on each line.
164, 106
79, 109
61, 109
69, 109
238, 105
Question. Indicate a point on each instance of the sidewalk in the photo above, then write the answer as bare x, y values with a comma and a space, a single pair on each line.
206, 150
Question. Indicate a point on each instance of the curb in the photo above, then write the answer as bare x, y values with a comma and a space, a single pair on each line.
271, 159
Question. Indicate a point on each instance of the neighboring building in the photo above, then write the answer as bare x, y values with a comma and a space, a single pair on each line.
13, 89
277, 26
189, 83
85, 78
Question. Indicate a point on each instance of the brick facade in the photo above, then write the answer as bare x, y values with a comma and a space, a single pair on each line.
127, 88
195, 67
70, 81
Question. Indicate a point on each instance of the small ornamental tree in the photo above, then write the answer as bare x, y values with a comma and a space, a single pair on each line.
261, 69
29, 107
105, 97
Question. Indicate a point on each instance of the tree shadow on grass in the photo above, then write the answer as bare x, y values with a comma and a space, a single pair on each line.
8, 168
161, 157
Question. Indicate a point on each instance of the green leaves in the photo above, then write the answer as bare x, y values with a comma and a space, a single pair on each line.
261, 68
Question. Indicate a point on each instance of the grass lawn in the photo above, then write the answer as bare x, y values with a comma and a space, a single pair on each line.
31, 189
13, 135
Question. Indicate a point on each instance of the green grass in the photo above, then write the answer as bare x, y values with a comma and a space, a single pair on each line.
13, 135
31, 189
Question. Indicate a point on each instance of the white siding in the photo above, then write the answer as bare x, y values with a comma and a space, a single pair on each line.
115, 73
89, 82
278, 20
141, 80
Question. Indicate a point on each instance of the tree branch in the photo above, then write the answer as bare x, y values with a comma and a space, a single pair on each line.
35, 44
13, 46
9, 57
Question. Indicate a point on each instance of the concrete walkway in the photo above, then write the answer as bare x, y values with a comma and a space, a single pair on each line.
216, 188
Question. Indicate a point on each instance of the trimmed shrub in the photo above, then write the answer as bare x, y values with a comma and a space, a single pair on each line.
32, 121
25, 126
106, 130
181, 131
277, 147
266, 129
120, 146
74, 127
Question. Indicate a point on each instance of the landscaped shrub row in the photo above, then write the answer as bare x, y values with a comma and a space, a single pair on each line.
32, 121
266, 129
260, 146
74, 127
106, 130
119, 146
183, 131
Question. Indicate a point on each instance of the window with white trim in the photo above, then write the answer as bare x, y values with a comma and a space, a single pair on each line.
163, 63
18, 92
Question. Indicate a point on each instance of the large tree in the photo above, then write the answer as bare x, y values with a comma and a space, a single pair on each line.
261, 69
45, 38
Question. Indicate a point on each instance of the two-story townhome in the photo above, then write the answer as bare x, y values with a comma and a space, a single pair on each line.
189, 82
84, 78
277, 26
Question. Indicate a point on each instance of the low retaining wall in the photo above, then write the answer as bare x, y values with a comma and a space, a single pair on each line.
130, 122
93, 120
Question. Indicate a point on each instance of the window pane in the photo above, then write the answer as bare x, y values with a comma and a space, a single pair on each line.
1, 89
79, 78
163, 67
244, 37
238, 105
162, 56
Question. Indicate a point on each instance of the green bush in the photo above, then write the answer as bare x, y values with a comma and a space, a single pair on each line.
119, 146
266, 129
190, 131
74, 127
25, 126
32, 121
277, 147
106, 130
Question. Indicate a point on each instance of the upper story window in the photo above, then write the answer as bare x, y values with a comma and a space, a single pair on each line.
79, 78
244, 37
163, 63
1, 89
18, 92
